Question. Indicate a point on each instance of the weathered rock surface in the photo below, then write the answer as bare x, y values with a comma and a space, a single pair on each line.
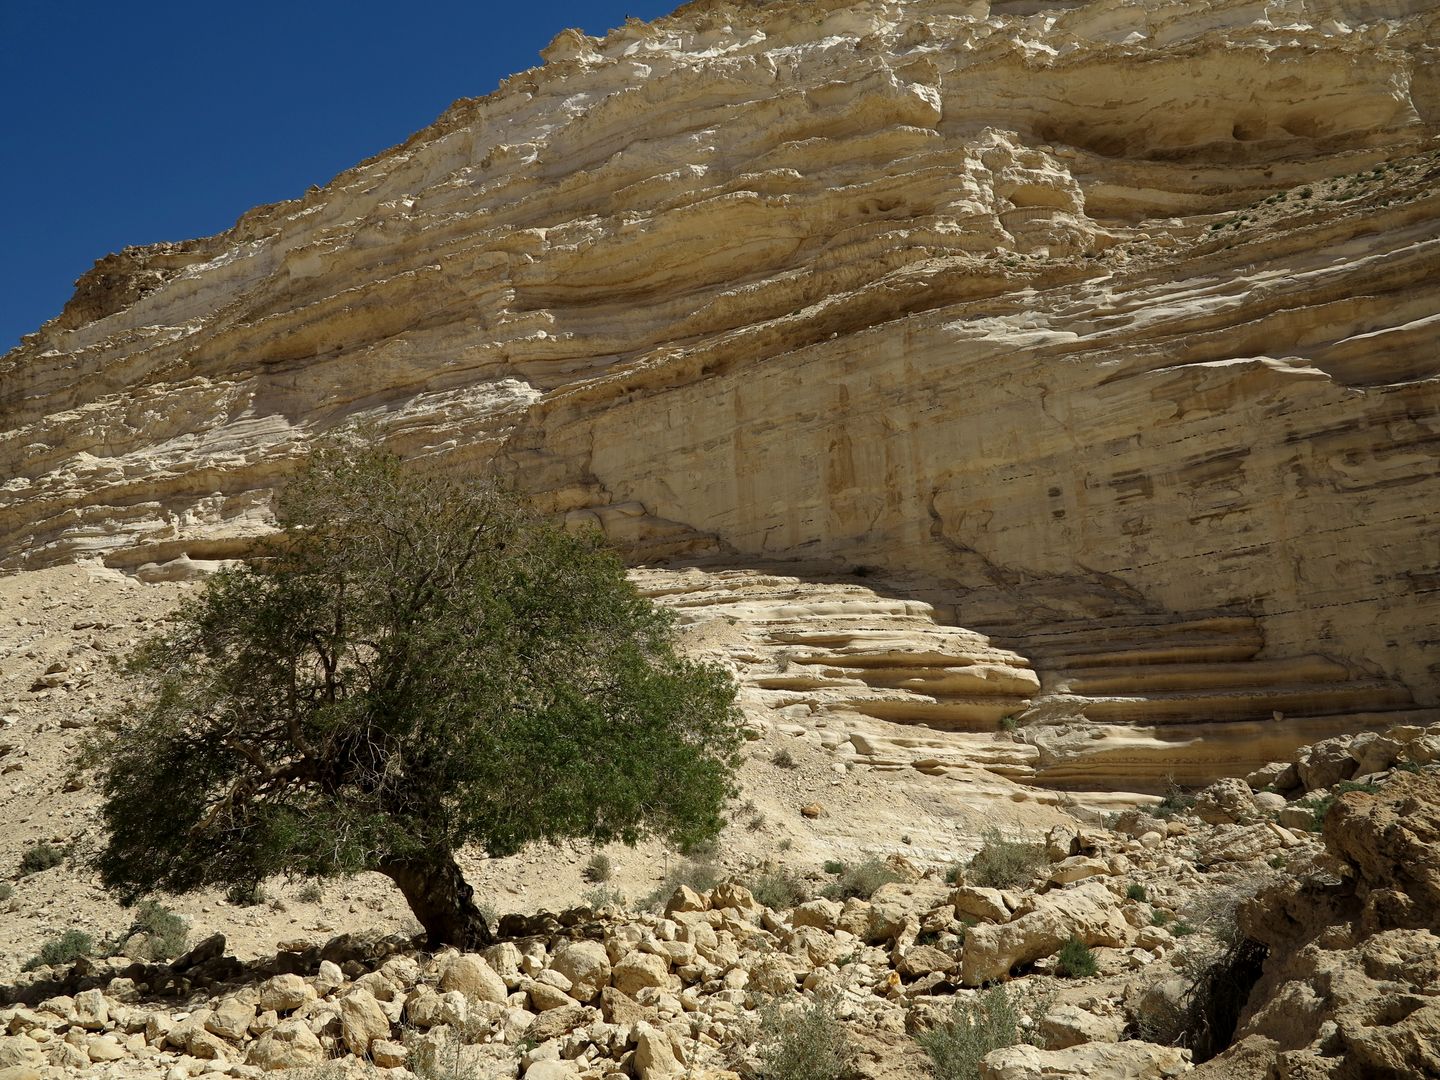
470, 975
1347, 989
1087, 911
289, 1045
1109, 336
1103, 1061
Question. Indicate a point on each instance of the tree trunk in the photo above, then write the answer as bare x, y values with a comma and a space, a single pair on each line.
442, 900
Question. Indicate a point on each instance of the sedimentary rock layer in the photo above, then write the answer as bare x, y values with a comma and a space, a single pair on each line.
883, 681
1106, 329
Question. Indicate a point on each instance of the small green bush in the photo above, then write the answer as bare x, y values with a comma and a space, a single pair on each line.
1317, 807
1004, 864
778, 888
66, 949
165, 932
6, 891
598, 869
41, 856
783, 759
1174, 801
1010, 723
444, 1057
1159, 917
1076, 959
1135, 891
246, 894
602, 896
975, 1026
310, 893
1182, 929
860, 881
834, 866
806, 1042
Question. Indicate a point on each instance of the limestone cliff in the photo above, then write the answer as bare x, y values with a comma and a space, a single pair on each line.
1104, 330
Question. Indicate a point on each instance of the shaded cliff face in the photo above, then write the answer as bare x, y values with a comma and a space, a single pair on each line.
1107, 329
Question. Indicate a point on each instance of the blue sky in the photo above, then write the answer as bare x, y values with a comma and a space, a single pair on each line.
133, 122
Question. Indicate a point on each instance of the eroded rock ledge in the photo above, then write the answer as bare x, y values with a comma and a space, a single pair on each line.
881, 679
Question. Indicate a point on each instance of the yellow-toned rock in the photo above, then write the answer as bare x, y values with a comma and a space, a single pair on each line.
1086, 361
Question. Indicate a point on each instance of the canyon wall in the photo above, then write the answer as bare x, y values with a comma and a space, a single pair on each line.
1106, 331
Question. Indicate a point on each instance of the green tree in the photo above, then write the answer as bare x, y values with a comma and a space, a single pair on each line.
415, 664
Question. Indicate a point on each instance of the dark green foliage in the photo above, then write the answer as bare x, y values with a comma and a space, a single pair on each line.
1318, 806
834, 866
1135, 891
6, 891
417, 664
1004, 864
806, 1042
861, 880
783, 759
1076, 959
1182, 929
1159, 917
41, 856
974, 1027
1344, 787
66, 949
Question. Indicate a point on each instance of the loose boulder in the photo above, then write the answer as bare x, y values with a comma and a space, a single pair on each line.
1088, 911
1092, 1061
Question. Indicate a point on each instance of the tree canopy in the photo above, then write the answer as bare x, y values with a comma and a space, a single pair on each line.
415, 663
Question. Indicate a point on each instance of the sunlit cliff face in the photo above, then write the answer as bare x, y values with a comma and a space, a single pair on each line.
1104, 332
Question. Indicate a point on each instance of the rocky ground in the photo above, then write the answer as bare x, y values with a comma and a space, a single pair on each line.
1181, 915
1184, 903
